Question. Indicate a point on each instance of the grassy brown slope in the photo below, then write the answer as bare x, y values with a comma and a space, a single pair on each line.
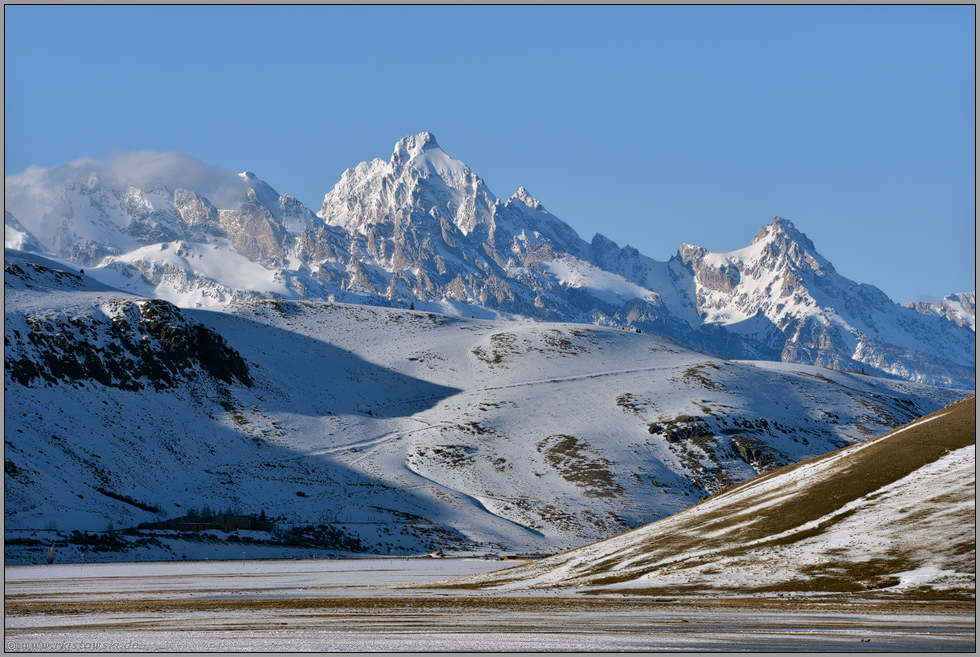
723, 525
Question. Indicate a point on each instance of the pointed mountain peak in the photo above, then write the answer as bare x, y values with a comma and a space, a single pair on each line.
783, 230
256, 190
422, 154
420, 181
417, 147
415, 144
780, 238
524, 197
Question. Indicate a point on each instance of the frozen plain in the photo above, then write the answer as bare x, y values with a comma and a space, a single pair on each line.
398, 604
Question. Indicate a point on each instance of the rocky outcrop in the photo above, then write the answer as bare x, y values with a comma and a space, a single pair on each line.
757, 453
123, 344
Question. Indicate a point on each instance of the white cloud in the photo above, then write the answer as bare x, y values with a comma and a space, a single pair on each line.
222, 187
34, 193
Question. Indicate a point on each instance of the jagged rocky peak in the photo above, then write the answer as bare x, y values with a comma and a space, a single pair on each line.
607, 254
781, 240
152, 213
146, 200
524, 197
296, 217
421, 155
134, 201
412, 146
420, 185
196, 210
782, 229
690, 253
143, 193
261, 193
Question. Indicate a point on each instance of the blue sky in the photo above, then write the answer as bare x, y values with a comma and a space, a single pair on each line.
652, 125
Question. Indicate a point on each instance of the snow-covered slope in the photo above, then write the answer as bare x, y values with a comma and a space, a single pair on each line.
400, 430
896, 512
15, 236
423, 230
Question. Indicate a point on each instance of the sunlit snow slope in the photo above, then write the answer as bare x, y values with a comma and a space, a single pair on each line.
896, 512
402, 430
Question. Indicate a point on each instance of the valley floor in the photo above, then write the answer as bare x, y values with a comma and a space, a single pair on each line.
394, 604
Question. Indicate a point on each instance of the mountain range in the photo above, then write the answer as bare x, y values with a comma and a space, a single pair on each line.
416, 366
422, 230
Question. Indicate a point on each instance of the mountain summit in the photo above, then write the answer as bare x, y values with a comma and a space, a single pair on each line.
412, 147
422, 228
419, 183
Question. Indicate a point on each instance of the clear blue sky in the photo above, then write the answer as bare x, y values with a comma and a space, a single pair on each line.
652, 125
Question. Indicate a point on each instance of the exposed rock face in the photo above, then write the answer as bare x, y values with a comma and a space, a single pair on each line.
128, 345
197, 213
757, 453
255, 233
720, 276
88, 253
154, 217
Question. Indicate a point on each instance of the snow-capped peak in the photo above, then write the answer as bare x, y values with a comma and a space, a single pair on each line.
260, 192
422, 154
420, 181
779, 244
784, 228
524, 197
415, 145
961, 309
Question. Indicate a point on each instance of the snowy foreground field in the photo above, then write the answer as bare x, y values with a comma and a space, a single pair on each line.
395, 604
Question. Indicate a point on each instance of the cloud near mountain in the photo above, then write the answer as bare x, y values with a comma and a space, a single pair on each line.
37, 190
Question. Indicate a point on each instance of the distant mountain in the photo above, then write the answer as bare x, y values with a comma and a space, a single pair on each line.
423, 229
961, 309
15, 236
367, 429
897, 512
